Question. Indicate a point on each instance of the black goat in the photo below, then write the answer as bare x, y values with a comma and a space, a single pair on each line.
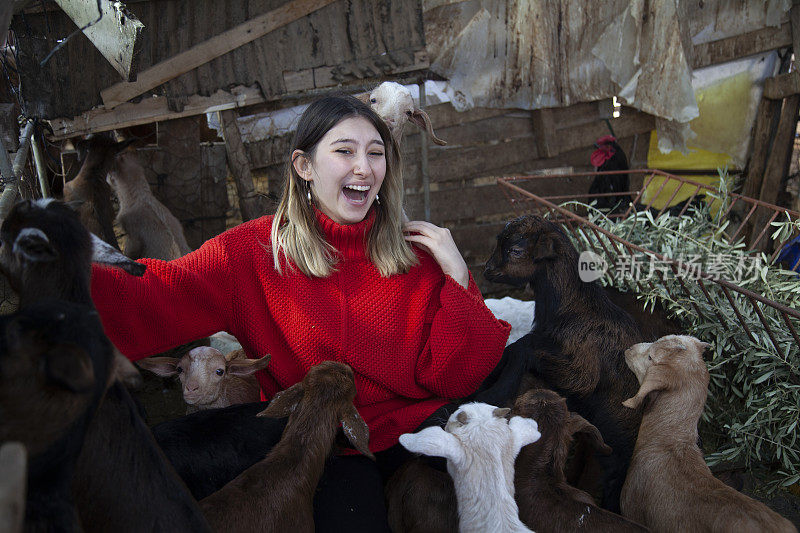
55, 363
578, 338
210, 448
122, 480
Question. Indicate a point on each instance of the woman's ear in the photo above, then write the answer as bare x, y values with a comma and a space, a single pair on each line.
301, 164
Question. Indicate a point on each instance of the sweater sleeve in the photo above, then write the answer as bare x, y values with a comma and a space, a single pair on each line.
465, 343
174, 302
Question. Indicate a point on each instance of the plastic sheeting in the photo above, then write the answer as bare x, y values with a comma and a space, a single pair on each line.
532, 55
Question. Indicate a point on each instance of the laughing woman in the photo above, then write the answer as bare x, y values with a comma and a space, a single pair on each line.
335, 274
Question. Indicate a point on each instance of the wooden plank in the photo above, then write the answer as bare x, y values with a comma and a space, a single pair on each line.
748, 44
768, 111
154, 109
251, 204
212, 48
114, 31
779, 87
9, 127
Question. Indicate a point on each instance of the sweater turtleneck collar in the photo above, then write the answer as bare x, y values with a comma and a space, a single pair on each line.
348, 239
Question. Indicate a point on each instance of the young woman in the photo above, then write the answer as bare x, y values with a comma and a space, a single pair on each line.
333, 275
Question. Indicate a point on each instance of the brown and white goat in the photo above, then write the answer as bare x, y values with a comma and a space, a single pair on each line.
546, 502
151, 230
669, 486
210, 379
89, 188
577, 341
276, 494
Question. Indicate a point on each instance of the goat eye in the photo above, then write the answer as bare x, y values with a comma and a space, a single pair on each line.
179, 370
373, 100
220, 371
409, 113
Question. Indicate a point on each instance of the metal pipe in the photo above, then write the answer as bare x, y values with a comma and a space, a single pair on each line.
9, 196
40, 167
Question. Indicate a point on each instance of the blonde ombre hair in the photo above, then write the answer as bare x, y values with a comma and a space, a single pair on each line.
296, 235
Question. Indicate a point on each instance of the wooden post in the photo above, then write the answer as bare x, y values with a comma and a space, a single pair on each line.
543, 131
768, 110
423, 163
13, 481
777, 165
251, 203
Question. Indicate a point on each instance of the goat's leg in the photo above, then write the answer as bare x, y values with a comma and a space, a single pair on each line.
502, 384
615, 467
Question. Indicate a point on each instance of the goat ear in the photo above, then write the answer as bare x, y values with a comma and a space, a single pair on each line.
657, 377
524, 430
501, 412
423, 122
433, 441
356, 431
160, 366
124, 371
70, 367
578, 424
33, 245
284, 403
545, 247
105, 254
246, 367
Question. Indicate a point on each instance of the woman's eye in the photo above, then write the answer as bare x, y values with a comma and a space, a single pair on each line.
343, 151
220, 371
377, 154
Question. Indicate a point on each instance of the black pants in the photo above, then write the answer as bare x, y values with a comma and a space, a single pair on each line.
350, 495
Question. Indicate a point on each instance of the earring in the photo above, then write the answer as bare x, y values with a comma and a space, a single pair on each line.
308, 191
378, 199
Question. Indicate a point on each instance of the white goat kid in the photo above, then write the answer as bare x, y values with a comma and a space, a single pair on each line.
395, 105
480, 446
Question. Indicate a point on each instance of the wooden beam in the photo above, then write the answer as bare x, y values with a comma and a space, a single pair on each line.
779, 87
747, 44
210, 49
114, 31
251, 203
154, 109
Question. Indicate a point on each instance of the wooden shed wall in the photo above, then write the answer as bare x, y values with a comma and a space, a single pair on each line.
482, 145
342, 42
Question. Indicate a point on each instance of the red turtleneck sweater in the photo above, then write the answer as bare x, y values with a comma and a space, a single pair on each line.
414, 340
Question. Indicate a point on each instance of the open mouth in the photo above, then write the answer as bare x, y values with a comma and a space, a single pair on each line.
356, 193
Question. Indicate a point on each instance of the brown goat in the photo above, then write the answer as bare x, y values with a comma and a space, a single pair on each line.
89, 188
546, 502
276, 493
669, 486
578, 337
151, 230
421, 499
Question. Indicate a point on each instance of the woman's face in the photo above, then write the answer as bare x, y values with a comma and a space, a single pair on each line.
346, 170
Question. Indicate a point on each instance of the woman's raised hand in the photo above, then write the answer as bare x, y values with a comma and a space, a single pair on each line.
439, 243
